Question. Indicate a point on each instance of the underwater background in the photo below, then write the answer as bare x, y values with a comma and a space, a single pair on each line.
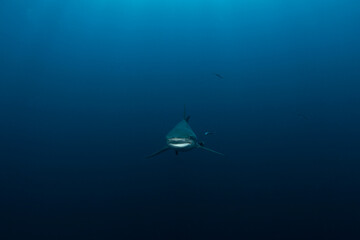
88, 88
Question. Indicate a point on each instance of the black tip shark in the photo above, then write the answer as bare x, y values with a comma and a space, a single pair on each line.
182, 138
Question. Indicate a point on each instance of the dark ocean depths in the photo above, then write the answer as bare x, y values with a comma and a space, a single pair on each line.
88, 88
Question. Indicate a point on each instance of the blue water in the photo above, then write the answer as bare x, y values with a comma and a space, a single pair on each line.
88, 88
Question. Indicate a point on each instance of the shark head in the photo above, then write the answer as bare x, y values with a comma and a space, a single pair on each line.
181, 137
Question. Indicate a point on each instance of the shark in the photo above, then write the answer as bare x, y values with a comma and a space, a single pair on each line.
182, 139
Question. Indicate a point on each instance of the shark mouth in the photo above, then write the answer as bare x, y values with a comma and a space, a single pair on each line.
180, 142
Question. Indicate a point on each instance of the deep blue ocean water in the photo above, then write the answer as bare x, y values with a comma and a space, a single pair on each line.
88, 88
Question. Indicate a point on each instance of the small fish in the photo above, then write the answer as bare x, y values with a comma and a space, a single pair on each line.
303, 116
219, 76
209, 133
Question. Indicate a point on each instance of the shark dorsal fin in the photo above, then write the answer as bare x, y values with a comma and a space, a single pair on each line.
184, 112
186, 118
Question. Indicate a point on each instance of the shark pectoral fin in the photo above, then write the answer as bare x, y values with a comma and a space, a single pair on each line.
210, 150
158, 152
